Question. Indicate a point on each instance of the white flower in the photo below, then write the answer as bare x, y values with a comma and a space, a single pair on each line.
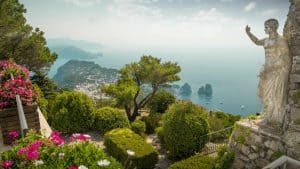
82, 167
130, 152
103, 163
76, 135
87, 136
38, 162
61, 155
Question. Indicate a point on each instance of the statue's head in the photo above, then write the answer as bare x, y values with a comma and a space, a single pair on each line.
271, 25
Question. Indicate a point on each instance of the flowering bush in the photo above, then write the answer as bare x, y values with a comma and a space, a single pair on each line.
17, 86
8, 67
35, 151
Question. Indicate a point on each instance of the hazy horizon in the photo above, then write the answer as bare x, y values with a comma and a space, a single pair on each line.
206, 37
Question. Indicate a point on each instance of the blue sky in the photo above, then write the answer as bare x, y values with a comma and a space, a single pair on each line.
168, 24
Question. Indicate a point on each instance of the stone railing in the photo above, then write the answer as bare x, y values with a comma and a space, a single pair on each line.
284, 162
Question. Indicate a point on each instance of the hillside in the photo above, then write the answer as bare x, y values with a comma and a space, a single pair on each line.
75, 73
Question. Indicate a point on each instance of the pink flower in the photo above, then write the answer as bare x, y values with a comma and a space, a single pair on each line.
73, 167
22, 151
13, 135
7, 164
35, 146
56, 138
33, 155
80, 137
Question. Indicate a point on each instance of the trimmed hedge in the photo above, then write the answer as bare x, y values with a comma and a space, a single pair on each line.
195, 162
139, 127
185, 129
71, 112
118, 141
108, 118
218, 121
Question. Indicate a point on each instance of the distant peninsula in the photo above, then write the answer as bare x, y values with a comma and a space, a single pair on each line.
75, 73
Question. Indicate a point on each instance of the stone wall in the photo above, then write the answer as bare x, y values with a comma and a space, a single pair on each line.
256, 145
292, 34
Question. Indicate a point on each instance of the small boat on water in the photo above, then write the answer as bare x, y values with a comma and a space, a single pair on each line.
242, 107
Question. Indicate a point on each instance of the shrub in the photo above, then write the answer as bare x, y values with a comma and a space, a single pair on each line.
108, 118
41, 101
160, 133
161, 101
218, 121
139, 127
196, 161
71, 112
35, 151
225, 159
130, 149
152, 122
185, 129
105, 102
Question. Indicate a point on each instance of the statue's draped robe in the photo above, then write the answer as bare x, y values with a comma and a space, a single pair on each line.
272, 87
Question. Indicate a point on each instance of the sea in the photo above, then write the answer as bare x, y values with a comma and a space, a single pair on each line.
233, 74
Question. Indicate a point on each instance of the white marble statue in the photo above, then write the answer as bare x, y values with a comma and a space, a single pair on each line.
272, 87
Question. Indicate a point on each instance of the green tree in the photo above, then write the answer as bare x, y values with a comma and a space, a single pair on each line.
19, 41
139, 82
161, 101
47, 85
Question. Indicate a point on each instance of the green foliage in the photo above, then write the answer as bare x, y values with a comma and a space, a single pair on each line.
153, 121
19, 41
71, 112
195, 162
47, 86
105, 102
129, 90
160, 133
276, 155
242, 134
218, 121
225, 159
75, 154
161, 101
252, 117
108, 118
185, 129
139, 127
119, 141
41, 101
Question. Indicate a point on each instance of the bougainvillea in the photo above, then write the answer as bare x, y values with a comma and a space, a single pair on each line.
8, 67
12, 136
20, 85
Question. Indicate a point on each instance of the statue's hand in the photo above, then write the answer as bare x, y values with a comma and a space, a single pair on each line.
248, 29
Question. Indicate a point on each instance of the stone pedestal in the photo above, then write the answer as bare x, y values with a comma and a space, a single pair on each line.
256, 145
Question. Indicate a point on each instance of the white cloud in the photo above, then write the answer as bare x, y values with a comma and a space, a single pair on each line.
250, 6
269, 12
84, 3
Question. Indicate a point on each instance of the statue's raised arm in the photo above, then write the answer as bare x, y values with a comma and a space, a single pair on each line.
253, 37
